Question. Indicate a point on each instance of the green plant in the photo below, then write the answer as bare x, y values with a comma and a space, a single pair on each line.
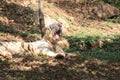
82, 42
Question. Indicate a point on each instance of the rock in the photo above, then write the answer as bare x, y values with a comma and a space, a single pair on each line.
105, 10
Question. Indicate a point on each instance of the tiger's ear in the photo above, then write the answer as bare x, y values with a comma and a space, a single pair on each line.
47, 31
60, 24
44, 29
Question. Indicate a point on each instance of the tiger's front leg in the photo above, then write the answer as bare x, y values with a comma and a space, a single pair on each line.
59, 50
51, 53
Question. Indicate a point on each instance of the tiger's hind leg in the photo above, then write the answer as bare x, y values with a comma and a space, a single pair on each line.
5, 55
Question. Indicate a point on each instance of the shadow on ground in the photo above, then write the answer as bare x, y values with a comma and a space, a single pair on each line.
108, 50
90, 64
83, 10
18, 20
79, 67
70, 68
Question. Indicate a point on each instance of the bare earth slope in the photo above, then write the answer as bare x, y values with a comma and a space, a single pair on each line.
17, 24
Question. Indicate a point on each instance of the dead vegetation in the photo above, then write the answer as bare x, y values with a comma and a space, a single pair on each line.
44, 68
17, 24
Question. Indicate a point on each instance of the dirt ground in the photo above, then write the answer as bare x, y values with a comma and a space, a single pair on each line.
14, 28
70, 68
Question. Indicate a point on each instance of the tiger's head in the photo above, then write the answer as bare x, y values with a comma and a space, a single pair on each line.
53, 32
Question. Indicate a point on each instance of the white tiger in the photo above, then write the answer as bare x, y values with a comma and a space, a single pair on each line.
46, 46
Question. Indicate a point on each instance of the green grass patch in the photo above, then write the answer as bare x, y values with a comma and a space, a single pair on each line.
82, 41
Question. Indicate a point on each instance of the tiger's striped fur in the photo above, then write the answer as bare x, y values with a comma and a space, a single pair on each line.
47, 46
